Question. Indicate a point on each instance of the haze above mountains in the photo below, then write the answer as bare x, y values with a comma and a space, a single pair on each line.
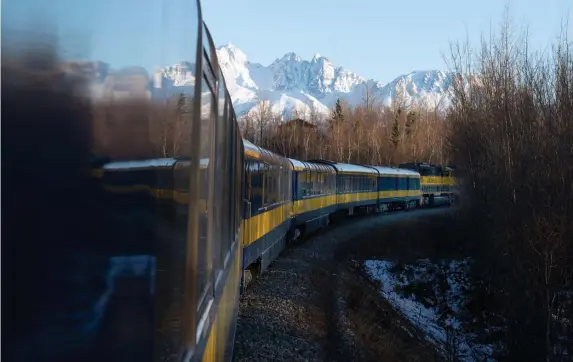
293, 84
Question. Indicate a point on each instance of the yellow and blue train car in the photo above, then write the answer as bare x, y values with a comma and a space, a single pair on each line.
267, 217
437, 183
356, 186
397, 188
157, 266
313, 196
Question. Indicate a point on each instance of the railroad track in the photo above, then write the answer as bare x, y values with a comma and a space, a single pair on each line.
295, 311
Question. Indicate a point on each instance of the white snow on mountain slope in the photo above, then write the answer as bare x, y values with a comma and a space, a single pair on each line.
291, 84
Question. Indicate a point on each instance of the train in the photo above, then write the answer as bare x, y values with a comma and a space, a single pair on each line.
178, 212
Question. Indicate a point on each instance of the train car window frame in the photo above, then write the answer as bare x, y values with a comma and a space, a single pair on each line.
221, 193
205, 292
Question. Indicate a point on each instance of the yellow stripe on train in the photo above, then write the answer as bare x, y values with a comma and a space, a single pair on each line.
398, 194
180, 197
357, 197
313, 203
220, 331
257, 226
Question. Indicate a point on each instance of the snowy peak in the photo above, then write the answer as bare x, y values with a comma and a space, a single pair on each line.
293, 85
317, 76
231, 54
235, 66
178, 75
288, 57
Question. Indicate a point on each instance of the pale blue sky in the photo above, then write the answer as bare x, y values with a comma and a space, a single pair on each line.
374, 38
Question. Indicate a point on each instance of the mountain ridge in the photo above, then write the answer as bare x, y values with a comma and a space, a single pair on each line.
292, 84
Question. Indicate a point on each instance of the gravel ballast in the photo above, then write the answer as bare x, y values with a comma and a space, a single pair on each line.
294, 311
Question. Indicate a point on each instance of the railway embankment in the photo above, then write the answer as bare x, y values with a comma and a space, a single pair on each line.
315, 302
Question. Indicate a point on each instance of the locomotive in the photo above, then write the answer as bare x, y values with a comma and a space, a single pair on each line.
145, 256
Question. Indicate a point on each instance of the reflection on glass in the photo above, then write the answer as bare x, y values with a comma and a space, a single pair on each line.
110, 251
204, 264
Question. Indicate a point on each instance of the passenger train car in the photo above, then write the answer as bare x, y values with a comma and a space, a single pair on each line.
438, 184
178, 211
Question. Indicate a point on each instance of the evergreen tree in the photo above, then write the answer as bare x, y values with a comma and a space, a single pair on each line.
338, 115
395, 138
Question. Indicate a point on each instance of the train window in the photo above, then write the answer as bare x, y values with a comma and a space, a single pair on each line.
222, 205
315, 186
302, 183
276, 181
270, 184
387, 183
403, 183
256, 184
233, 185
203, 251
238, 161
281, 184
266, 186
332, 185
272, 181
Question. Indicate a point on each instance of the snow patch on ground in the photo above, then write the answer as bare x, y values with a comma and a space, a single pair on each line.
431, 296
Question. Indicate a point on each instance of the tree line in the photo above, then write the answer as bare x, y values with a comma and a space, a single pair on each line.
367, 133
511, 129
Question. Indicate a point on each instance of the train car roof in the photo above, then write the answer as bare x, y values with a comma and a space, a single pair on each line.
347, 167
297, 165
321, 167
350, 168
263, 154
154, 162
150, 163
251, 149
313, 166
391, 171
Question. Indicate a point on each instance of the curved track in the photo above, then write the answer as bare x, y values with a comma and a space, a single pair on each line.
293, 312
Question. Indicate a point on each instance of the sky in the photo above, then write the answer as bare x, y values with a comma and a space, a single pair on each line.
374, 38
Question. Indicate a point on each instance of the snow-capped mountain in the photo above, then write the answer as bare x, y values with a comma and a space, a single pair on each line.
292, 84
